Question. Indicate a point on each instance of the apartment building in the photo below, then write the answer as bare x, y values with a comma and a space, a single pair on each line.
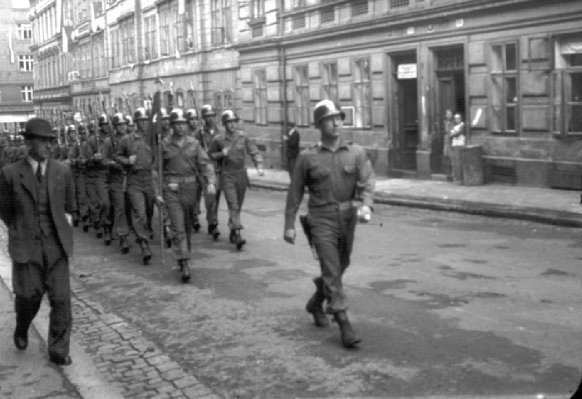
16, 66
512, 68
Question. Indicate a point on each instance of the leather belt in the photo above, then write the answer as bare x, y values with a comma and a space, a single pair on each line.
338, 206
180, 179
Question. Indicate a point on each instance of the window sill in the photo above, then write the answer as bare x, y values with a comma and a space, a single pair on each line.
504, 134
571, 135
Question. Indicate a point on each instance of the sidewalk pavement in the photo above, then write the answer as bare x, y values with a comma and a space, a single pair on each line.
559, 207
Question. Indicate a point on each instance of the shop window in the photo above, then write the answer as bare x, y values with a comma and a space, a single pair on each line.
505, 88
330, 82
302, 106
260, 87
362, 94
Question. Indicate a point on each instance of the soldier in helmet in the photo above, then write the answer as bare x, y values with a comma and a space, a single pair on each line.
142, 118
119, 227
98, 175
166, 126
192, 118
78, 165
334, 172
135, 152
229, 150
182, 160
205, 134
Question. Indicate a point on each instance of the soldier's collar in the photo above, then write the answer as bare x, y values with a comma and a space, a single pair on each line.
342, 145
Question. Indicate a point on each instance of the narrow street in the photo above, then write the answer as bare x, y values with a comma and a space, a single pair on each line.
447, 304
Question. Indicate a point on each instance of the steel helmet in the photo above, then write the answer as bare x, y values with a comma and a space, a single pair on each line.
192, 114
72, 128
118, 119
229, 115
177, 115
102, 120
326, 108
140, 114
128, 119
91, 126
208, 110
164, 114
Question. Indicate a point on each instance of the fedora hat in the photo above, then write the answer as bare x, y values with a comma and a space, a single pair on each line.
39, 127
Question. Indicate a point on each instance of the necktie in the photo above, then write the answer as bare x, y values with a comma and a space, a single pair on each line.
39, 173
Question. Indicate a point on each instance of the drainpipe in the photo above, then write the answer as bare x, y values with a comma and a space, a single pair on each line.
283, 63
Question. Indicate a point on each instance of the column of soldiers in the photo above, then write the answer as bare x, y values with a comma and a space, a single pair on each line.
121, 173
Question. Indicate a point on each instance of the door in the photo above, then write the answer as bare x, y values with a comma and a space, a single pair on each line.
408, 123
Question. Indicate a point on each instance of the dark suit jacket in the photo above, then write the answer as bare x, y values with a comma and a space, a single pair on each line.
18, 198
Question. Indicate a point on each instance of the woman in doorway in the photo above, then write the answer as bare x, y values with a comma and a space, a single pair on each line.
457, 134
448, 126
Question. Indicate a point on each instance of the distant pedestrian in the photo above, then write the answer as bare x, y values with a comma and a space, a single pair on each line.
335, 172
458, 140
447, 126
37, 200
292, 140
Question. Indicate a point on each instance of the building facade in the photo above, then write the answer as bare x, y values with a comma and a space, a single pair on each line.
512, 68
16, 65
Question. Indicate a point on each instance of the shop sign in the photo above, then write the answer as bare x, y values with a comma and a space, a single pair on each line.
407, 71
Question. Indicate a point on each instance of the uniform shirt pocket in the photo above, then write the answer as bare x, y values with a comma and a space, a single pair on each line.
350, 169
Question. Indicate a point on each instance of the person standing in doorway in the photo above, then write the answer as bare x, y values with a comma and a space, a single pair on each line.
292, 140
447, 126
37, 200
336, 173
458, 140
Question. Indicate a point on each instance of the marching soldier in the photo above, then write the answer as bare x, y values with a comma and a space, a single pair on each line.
166, 126
142, 123
97, 176
229, 149
205, 134
334, 172
193, 127
117, 216
183, 159
135, 153
78, 165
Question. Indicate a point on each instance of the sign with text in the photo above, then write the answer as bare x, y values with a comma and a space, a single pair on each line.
407, 71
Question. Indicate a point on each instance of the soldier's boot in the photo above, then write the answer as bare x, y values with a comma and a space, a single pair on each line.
75, 219
348, 335
107, 236
124, 244
232, 236
146, 253
86, 224
185, 269
213, 231
98, 230
315, 305
239, 241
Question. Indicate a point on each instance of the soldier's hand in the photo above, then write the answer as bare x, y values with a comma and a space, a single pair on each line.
289, 236
364, 214
260, 171
211, 189
132, 159
173, 186
97, 156
225, 151
159, 200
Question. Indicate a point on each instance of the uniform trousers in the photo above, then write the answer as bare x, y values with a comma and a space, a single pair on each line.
333, 238
98, 193
81, 194
140, 190
234, 185
211, 202
117, 215
30, 281
181, 206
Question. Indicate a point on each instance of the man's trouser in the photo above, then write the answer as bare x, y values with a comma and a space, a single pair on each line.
31, 280
291, 166
333, 237
98, 193
181, 205
141, 196
234, 186
118, 217
211, 202
81, 195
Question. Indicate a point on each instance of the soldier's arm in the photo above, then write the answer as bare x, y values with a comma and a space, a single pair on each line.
254, 152
122, 152
366, 179
295, 192
205, 165
215, 150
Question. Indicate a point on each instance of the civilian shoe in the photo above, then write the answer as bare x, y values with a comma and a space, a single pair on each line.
20, 341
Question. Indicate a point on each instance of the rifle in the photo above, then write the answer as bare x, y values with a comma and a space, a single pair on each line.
108, 121
91, 111
156, 136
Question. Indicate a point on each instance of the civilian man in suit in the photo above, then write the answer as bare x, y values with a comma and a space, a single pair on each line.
37, 199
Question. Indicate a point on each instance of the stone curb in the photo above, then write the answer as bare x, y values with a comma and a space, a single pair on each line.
547, 216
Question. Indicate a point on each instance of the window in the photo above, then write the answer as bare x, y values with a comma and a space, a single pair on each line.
179, 31
217, 101
362, 93
567, 88
261, 97
151, 40
330, 79
302, 108
504, 88
359, 7
399, 3
165, 39
221, 20
180, 99
327, 14
114, 38
258, 8
127, 40
26, 93
25, 62
25, 31
299, 21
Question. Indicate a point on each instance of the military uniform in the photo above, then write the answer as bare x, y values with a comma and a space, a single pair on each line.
78, 166
334, 178
233, 173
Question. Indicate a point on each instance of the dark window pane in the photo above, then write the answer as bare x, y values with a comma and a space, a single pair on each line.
575, 118
576, 79
511, 90
511, 117
510, 57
